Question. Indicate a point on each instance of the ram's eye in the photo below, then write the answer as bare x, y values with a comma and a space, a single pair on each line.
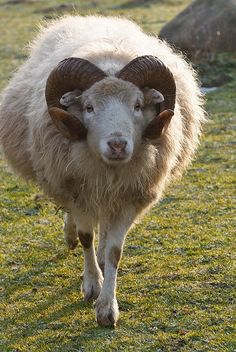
137, 107
89, 108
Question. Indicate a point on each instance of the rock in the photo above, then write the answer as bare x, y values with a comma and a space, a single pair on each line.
203, 28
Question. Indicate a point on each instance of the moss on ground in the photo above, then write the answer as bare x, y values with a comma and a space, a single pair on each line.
176, 286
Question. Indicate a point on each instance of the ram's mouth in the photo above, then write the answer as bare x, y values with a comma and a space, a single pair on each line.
116, 159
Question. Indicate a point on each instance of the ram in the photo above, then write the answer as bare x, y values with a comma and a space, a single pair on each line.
102, 117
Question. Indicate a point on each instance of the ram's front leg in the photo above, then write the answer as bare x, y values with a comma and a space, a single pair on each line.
107, 311
102, 246
92, 275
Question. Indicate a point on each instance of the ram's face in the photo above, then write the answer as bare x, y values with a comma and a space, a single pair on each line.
113, 112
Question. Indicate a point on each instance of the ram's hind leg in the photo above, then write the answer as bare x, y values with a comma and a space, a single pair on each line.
92, 276
70, 233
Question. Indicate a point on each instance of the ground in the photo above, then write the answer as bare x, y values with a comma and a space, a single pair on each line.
176, 286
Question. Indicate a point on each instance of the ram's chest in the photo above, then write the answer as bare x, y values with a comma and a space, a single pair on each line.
104, 196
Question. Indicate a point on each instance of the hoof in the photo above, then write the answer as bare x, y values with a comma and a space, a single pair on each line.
107, 314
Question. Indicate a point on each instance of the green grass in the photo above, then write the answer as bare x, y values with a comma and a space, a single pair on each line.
176, 285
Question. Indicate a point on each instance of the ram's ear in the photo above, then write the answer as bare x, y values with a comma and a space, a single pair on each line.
69, 126
158, 125
152, 96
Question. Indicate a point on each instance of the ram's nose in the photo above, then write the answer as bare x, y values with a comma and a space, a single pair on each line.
116, 149
117, 145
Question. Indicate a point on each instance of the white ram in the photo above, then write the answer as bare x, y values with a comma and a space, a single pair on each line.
102, 117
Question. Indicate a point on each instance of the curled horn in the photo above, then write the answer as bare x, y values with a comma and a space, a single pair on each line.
69, 74
149, 71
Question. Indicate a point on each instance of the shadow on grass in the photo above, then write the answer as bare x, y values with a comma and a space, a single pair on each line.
26, 278
36, 318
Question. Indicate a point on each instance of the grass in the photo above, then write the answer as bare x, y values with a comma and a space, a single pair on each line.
176, 286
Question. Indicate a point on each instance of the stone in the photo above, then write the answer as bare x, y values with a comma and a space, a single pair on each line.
203, 28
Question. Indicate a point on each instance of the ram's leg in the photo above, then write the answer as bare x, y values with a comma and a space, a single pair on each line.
70, 233
92, 276
102, 246
107, 311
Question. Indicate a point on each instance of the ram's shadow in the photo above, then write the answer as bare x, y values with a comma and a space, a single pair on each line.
36, 318
25, 278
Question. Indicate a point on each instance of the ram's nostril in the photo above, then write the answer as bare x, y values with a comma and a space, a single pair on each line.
117, 146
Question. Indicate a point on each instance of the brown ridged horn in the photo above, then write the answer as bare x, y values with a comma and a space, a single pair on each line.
69, 74
149, 71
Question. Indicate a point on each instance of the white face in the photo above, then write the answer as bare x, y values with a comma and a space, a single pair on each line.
112, 110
